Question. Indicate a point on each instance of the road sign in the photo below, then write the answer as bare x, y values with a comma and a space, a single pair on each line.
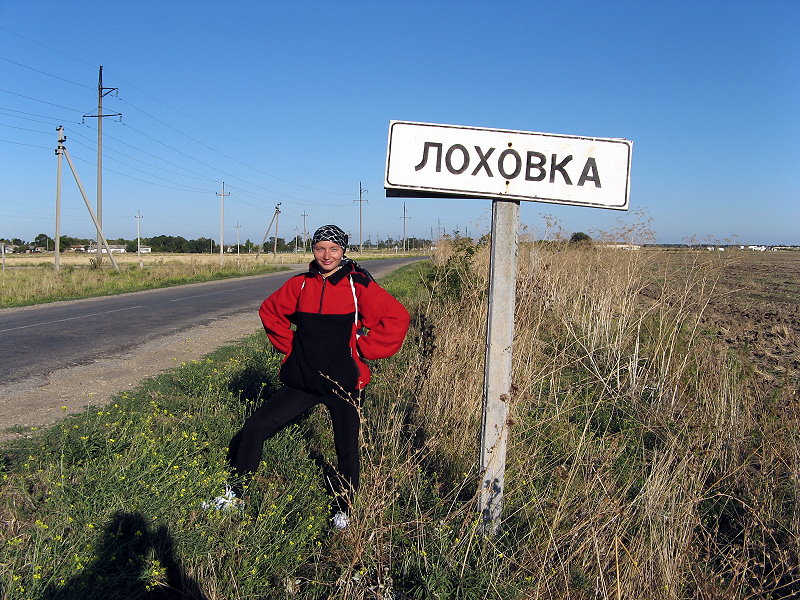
430, 160
433, 160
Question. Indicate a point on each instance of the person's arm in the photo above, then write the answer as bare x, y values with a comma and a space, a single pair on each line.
275, 312
387, 321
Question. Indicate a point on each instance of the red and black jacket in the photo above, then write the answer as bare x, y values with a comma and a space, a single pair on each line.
325, 351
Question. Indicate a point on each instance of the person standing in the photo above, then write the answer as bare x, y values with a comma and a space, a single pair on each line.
341, 318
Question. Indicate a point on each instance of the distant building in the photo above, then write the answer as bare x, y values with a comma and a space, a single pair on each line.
115, 249
621, 246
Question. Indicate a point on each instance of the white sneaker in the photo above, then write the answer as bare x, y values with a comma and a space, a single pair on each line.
228, 501
341, 520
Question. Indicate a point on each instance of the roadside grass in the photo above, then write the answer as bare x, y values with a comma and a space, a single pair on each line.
21, 287
645, 460
30, 279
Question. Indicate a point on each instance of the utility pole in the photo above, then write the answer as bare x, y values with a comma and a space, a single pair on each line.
361, 200
296, 235
139, 238
275, 242
101, 93
61, 139
222, 224
63, 149
237, 227
266, 233
404, 217
305, 231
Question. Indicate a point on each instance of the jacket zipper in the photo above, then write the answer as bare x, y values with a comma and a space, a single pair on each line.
322, 295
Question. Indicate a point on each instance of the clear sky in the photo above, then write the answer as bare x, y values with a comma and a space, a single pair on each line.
290, 102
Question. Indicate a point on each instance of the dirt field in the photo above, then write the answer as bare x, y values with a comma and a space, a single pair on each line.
756, 310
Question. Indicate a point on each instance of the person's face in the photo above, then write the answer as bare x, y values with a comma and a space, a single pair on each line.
328, 256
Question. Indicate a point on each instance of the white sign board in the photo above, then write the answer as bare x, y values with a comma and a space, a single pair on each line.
425, 159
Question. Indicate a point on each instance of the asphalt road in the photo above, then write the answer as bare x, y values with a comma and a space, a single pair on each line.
45, 338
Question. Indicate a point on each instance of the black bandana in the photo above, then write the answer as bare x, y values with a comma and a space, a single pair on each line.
330, 233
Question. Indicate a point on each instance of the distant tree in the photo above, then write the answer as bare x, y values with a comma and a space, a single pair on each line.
45, 241
579, 237
281, 246
68, 241
200, 246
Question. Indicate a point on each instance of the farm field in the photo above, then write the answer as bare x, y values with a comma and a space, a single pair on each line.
753, 309
757, 310
30, 278
150, 259
653, 452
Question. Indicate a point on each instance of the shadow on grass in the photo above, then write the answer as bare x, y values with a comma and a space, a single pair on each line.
253, 384
132, 562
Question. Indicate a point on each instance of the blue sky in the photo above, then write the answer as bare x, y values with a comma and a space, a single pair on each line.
290, 102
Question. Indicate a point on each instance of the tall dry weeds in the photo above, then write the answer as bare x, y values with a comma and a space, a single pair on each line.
641, 462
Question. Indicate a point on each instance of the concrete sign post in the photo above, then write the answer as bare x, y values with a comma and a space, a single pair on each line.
426, 160
497, 368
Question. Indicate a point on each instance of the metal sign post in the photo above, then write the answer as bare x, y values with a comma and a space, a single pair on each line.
427, 160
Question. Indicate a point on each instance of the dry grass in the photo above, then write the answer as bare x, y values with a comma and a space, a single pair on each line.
31, 278
649, 458
645, 459
82, 259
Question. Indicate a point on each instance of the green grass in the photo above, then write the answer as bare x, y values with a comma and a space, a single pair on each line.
94, 503
107, 503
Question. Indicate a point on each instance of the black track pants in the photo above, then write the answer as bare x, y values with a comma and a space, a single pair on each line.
282, 407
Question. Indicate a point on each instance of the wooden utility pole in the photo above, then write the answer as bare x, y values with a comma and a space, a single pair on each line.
497, 370
222, 224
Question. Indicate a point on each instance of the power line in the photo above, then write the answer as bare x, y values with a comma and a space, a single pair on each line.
203, 191
45, 46
42, 101
144, 162
29, 145
229, 137
25, 129
22, 112
213, 149
194, 191
45, 73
